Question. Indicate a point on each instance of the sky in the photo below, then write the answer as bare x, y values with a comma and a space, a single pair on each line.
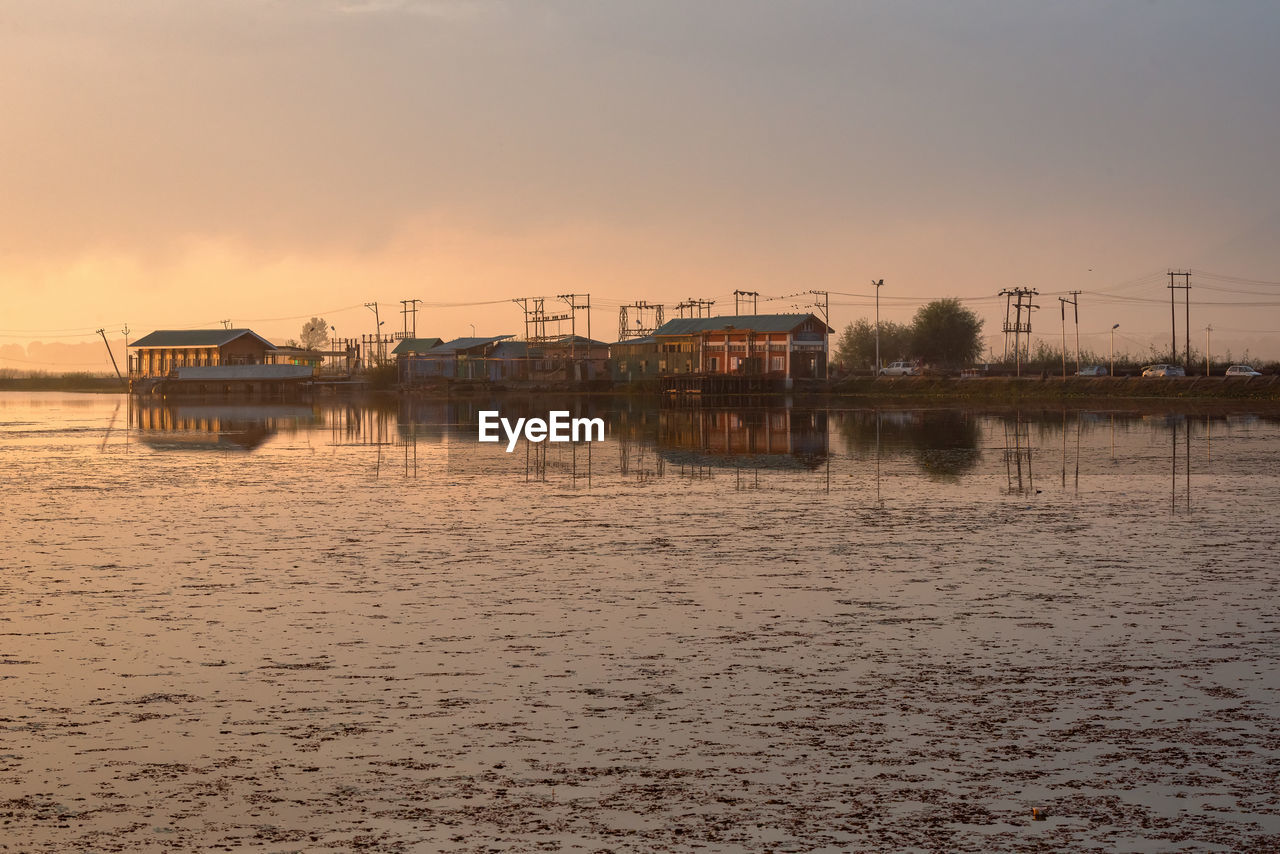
176, 165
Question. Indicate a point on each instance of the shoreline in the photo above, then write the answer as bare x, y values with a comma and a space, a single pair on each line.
976, 390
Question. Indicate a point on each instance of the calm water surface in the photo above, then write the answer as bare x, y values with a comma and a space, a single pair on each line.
354, 628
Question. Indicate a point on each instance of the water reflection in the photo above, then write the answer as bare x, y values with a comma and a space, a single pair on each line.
944, 443
206, 427
644, 443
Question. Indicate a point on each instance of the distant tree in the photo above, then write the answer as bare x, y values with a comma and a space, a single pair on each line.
292, 342
946, 333
856, 346
315, 333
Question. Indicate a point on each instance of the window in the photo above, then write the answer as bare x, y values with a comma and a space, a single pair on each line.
777, 363
714, 364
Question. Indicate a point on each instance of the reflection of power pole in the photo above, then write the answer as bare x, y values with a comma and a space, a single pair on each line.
1185, 275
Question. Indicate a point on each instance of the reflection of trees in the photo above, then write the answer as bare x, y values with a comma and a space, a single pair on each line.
943, 442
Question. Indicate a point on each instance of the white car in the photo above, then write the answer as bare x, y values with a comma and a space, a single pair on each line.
1242, 371
1163, 371
899, 369
1092, 371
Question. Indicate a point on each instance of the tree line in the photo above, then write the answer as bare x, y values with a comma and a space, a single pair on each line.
943, 333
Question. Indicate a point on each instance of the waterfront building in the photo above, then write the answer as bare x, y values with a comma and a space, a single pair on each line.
773, 346
165, 350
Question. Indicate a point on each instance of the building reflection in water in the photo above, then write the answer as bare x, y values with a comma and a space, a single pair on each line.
703, 443
695, 442
209, 427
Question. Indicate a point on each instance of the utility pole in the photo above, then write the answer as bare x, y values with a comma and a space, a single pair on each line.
1074, 303
826, 324
695, 307
1113, 348
103, 333
878, 283
754, 297
376, 354
407, 311
1207, 330
1062, 305
643, 324
226, 324
127, 360
574, 307
1075, 306
1185, 275
1022, 302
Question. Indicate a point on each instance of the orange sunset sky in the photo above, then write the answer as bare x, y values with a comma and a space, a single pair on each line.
174, 164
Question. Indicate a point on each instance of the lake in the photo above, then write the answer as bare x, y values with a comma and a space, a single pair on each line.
350, 626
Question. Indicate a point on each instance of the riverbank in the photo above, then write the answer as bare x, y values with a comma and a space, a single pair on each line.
62, 382
977, 390
1058, 389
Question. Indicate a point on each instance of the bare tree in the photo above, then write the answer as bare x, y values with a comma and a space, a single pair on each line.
315, 333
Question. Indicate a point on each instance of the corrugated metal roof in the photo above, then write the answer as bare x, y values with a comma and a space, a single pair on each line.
579, 340
196, 338
511, 350
234, 373
648, 339
467, 344
416, 345
756, 322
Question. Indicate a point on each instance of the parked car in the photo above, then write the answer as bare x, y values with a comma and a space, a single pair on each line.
900, 369
1242, 371
1163, 371
1092, 371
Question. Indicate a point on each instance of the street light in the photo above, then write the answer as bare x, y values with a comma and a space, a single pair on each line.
1113, 349
473, 329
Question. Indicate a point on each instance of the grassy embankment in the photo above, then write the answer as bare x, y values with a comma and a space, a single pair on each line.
1010, 389
13, 381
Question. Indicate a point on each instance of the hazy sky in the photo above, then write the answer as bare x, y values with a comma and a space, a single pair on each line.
172, 164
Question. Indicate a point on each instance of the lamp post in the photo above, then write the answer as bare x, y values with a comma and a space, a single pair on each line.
1207, 330
473, 329
1113, 349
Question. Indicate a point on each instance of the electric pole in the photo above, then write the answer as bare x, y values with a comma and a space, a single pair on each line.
1185, 287
410, 308
103, 333
878, 283
376, 355
754, 297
